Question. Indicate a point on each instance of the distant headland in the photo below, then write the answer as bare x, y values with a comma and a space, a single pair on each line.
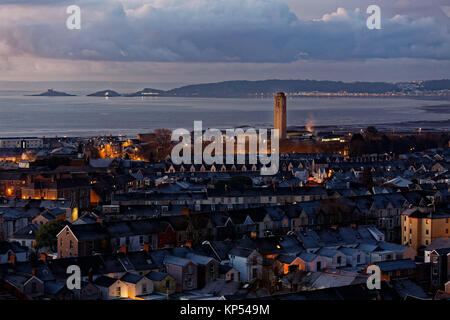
427, 89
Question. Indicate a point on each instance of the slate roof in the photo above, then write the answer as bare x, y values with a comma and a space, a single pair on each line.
438, 244
176, 260
131, 278
15, 247
27, 232
308, 257
198, 259
157, 276
392, 265
327, 252
241, 252
41, 269
105, 281
286, 258
85, 232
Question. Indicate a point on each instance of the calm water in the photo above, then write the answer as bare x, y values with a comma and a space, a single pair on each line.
84, 116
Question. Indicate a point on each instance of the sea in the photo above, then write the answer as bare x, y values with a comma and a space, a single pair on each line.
22, 115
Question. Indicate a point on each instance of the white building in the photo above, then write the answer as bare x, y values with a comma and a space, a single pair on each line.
21, 143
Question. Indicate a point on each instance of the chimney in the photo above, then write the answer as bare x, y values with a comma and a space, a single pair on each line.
124, 249
33, 272
91, 275
43, 257
99, 220
146, 247
12, 258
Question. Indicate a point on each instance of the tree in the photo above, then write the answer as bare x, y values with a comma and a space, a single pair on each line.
46, 235
357, 145
386, 143
371, 131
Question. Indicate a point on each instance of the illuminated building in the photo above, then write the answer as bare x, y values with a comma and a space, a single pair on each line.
422, 226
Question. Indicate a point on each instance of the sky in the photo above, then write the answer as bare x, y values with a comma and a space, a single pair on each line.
194, 41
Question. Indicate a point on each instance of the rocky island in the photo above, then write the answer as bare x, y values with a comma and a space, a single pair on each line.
105, 93
53, 93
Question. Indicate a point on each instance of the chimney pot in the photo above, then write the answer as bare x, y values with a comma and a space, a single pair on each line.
91, 275
124, 249
12, 258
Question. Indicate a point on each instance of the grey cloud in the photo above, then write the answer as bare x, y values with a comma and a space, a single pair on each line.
220, 31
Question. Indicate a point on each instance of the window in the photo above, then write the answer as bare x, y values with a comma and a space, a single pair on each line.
358, 258
292, 268
144, 288
446, 230
427, 231
189, 269
118, 291
33, 287
188, 281
426, 242
167, 284
141, 239
254, 273
70, 244
339, 260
